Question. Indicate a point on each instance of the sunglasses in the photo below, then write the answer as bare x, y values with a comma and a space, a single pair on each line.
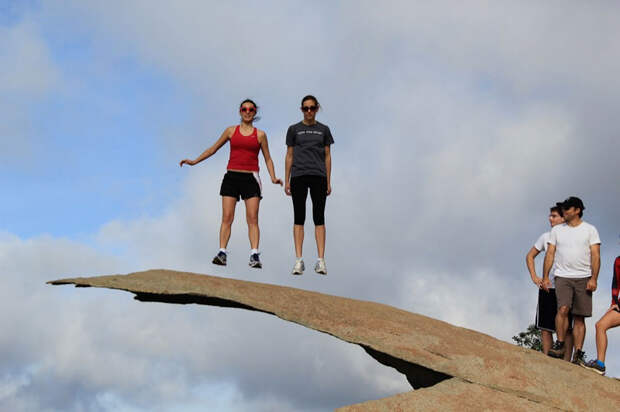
248, 109
308, 108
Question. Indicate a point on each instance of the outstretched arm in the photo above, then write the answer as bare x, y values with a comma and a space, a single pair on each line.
264, 147
529, 261
210, 151
549, 257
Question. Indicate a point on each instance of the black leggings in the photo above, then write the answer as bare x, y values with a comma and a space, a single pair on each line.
318, 193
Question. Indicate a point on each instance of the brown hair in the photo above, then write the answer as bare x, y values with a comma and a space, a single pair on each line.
310, 97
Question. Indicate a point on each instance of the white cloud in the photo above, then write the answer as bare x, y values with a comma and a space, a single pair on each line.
455, 129
77, 346
27, 75
27, 67
530, 46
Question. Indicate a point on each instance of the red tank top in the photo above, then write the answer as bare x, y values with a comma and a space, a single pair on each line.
244, 151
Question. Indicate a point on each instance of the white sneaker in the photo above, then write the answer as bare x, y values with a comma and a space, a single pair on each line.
320, 267
299, 267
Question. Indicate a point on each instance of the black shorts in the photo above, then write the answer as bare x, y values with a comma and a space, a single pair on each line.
318, 193
547, 309
241, 185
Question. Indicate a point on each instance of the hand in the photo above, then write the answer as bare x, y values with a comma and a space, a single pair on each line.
591, 286
612, 307
546, 285
537, 281
276, 181
329, 189
186, 161
287, 189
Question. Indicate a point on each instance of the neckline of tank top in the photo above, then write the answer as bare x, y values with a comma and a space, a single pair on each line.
246, 135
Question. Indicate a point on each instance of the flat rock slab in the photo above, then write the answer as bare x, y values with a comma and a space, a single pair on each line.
451, 395
450, 363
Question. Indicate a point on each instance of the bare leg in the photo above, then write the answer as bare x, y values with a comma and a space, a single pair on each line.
228, 215
611, 319
561, 323
319, 234
547, 341
251, 215
579, 332
568, 344
298, 235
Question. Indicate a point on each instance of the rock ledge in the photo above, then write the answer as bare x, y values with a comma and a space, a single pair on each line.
452, 368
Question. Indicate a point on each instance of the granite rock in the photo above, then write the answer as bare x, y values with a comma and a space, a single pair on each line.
448, 366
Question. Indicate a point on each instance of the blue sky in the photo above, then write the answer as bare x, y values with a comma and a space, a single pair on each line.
93, 152
456, 128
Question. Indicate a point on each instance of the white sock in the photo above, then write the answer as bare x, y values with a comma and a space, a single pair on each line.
321, 260
253, 251
223, 249
299, 259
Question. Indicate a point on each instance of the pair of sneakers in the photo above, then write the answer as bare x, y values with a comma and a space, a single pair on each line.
220, 259
558, 349
579, 358
594, 365
319, 267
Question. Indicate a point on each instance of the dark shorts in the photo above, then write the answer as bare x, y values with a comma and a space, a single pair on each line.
547, 309
241, 185
572, 292
318, 192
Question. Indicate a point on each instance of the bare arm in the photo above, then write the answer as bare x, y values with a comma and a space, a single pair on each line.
210, 151
529, 261
288, 162
549, 257
595, 263
328, 169
264, 146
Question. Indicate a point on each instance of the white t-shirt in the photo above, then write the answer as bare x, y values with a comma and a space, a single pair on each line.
541, 246
572, 249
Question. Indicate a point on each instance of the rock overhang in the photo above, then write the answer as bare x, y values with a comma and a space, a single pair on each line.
436, 357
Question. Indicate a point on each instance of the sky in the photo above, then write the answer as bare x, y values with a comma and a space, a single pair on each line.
456, 127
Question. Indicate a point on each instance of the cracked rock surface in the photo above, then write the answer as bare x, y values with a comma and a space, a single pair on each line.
451, 367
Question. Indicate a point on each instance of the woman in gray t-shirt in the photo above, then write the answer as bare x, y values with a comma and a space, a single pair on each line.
308, 168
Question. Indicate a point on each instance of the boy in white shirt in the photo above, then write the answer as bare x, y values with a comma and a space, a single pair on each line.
547, 307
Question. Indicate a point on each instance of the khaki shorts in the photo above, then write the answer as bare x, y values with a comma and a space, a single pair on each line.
572, 292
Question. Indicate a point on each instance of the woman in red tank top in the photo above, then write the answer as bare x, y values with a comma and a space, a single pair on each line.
241, 180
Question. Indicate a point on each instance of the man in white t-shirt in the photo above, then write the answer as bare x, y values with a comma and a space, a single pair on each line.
574, 251
547, 307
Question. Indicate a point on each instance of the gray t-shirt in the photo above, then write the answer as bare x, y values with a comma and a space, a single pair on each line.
308, 148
